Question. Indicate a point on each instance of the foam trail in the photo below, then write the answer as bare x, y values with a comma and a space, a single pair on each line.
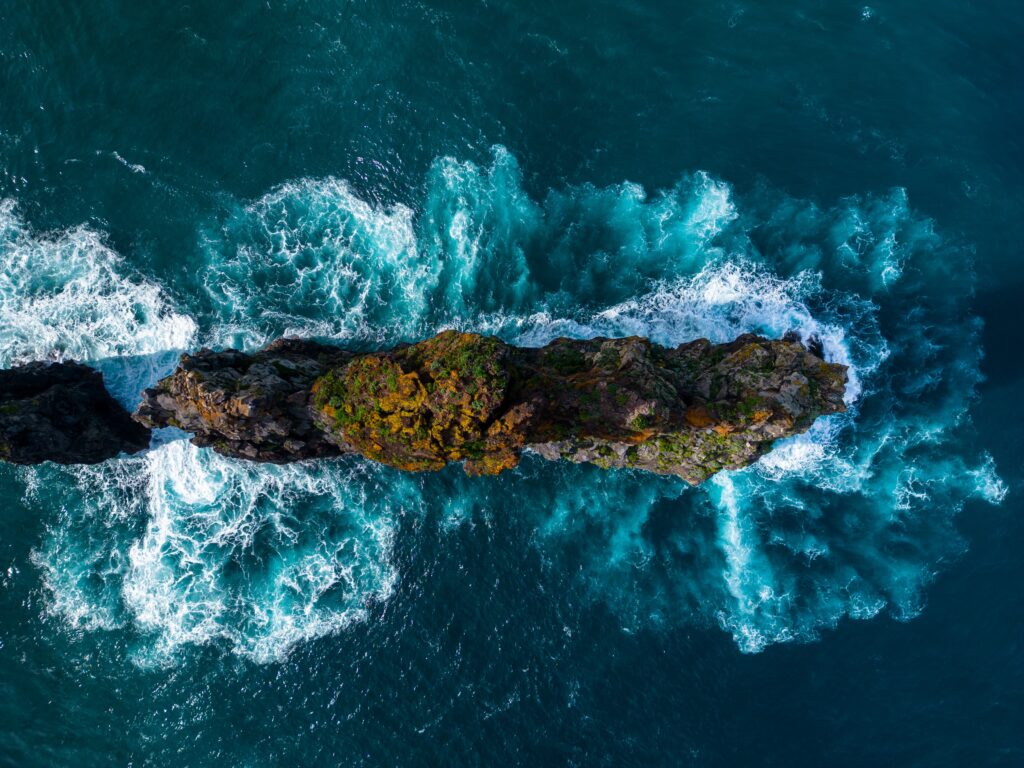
311, 258
83, 557
306, 575
747, 575
193, 549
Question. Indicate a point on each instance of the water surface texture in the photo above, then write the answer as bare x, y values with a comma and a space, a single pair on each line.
370, 173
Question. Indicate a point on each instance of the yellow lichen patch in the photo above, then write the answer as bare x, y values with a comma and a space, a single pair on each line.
745, 353
422, 406
492, 463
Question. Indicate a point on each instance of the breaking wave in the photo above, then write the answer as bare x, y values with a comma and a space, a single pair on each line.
851, 519
69, 296
193, 549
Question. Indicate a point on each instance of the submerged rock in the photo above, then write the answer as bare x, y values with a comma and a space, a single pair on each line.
689, 411
61, 412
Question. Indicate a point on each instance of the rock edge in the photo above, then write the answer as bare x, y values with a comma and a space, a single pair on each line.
690, 411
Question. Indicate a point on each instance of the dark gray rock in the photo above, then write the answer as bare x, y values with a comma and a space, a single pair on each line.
61, 412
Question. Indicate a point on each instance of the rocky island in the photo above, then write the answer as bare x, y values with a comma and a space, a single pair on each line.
462, 397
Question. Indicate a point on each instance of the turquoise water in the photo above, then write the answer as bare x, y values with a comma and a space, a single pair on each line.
372, 173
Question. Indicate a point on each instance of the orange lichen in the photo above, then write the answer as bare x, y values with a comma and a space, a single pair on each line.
612, 402
420, 407
699, 417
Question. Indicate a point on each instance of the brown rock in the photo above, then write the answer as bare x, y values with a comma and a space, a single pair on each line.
689, 411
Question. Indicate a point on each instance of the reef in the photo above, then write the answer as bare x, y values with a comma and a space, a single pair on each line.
690, 411
62, 412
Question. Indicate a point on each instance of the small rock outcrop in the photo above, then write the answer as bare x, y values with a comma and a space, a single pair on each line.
248, 406
61, 412
461, 397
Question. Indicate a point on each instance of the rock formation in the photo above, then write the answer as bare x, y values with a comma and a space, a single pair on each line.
457, 397
61, 412
689, 411
248, 406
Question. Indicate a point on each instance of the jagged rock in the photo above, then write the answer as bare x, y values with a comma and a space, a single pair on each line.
421, 406
689, 411
249, 406
61, 412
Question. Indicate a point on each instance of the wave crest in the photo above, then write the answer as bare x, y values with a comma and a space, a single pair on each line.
193, 549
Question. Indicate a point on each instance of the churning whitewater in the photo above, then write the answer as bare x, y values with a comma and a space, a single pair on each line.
191, 549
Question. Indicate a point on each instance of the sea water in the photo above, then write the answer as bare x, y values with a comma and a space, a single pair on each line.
370, 174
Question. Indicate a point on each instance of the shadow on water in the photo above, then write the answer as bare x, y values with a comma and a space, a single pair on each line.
1000, 306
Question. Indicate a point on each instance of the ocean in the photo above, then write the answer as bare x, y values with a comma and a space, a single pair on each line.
369, 173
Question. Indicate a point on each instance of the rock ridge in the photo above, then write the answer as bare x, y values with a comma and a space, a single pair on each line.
688, 411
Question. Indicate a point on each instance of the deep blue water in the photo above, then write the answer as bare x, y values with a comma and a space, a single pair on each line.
371, 172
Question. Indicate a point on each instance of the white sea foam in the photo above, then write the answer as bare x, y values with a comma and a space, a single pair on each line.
311, 258
846, 520
83, 557
66, 296
133, 167
193, 549
258, 557
987, 483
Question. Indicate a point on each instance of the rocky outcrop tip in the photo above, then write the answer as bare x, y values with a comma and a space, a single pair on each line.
61, 412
